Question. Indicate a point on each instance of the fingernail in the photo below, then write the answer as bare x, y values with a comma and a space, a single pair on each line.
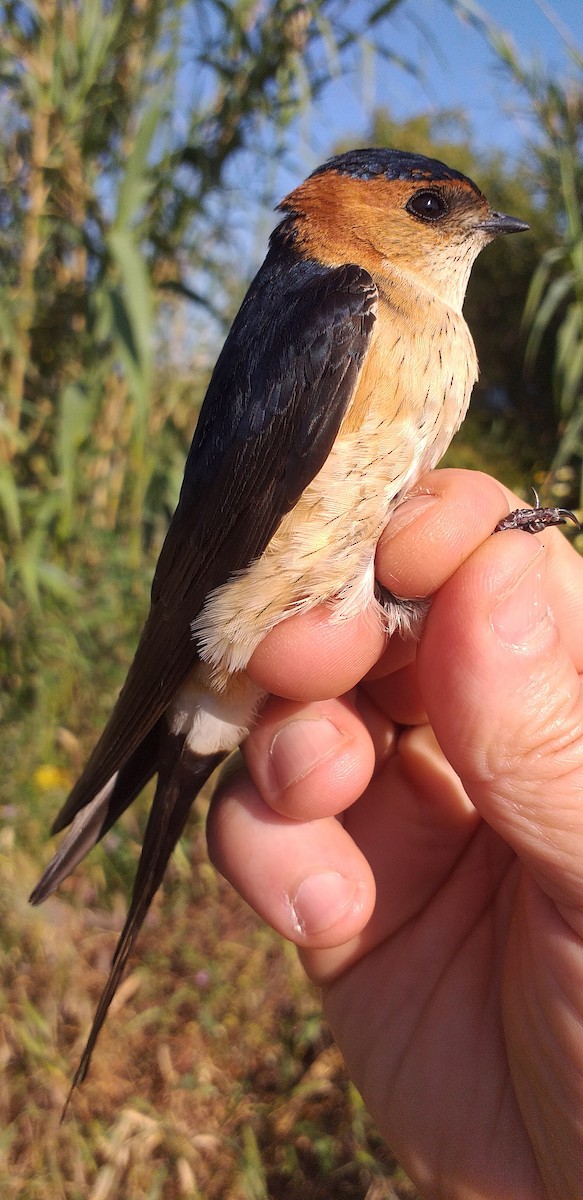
408, 512
320, 901
299, 746
522, 607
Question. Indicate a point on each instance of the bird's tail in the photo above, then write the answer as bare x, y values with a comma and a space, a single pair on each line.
181, 775
98, 814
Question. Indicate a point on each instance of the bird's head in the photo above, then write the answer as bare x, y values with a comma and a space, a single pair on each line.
391, 211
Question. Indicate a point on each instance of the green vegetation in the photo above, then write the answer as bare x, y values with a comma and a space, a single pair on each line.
125, 129
552, 173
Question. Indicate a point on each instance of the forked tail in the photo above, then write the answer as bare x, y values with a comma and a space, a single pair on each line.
181, 776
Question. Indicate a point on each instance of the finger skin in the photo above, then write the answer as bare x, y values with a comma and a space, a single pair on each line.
309, 881
506, 705
334, 655
504, 698
338, 756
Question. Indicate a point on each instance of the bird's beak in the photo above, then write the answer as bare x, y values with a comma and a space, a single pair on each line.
500, 223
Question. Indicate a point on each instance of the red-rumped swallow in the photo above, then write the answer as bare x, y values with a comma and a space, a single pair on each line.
346, 373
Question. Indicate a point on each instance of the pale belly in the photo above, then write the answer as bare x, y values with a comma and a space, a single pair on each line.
324, 548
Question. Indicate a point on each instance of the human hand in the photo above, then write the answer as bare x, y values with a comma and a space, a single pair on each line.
420, 837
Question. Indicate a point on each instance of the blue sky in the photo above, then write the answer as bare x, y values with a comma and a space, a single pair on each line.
458, 68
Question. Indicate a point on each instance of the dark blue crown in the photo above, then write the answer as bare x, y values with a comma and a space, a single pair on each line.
393, 164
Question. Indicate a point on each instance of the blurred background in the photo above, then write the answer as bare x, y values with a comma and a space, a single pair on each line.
143, 147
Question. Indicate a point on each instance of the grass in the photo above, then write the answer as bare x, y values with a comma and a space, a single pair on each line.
215, 1075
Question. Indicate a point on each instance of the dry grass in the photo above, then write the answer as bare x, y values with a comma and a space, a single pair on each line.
215, 1075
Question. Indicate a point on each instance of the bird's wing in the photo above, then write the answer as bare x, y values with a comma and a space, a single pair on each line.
274, 405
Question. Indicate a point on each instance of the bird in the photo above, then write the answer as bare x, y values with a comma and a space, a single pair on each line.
345, 375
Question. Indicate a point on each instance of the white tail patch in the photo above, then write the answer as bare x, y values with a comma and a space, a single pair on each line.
84, 833
212, 721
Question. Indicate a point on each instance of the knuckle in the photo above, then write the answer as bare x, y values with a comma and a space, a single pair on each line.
545, 748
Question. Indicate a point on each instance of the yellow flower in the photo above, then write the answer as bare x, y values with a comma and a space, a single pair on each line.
48, 776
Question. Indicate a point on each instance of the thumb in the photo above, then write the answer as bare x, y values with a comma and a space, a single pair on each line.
504, 699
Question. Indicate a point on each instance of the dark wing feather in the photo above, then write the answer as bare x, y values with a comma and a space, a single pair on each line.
274, 405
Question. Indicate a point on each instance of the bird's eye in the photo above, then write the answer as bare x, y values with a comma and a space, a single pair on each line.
430, 206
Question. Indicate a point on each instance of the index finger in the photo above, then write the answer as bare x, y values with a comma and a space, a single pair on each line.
312, 656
